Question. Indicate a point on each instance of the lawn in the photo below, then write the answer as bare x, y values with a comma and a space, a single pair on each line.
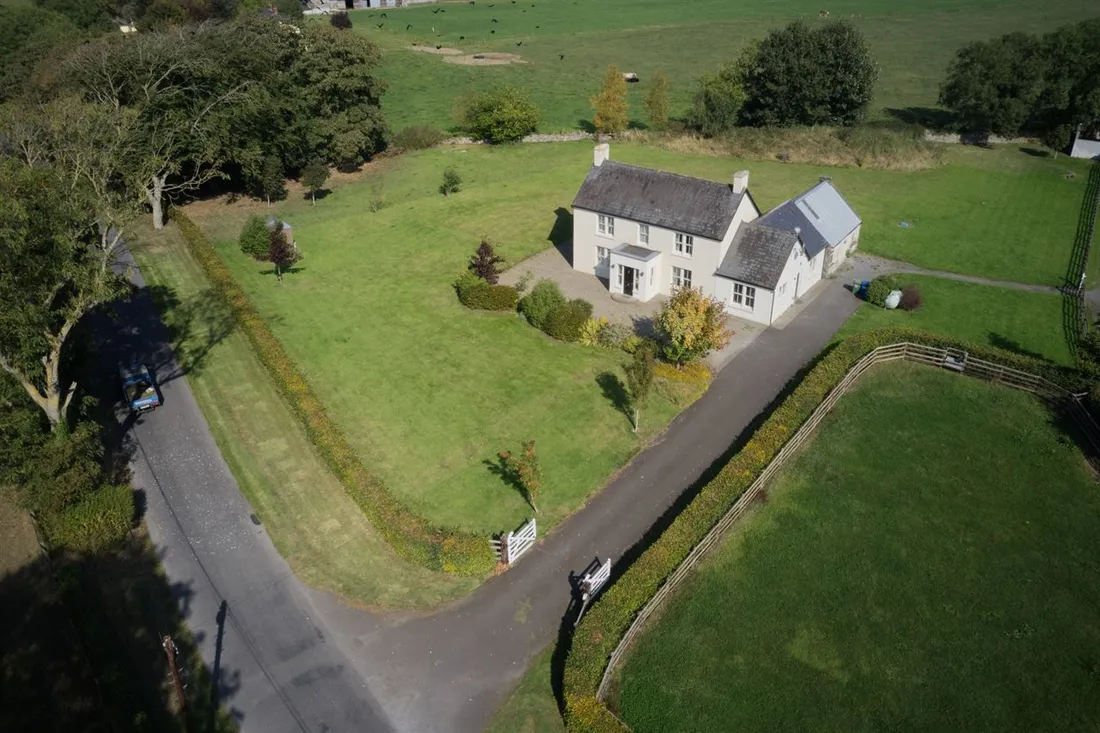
320, 531
429, 392
934, 575
1024, 322
912, 44
531, 706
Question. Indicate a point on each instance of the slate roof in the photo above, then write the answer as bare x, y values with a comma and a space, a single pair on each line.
639, 253
822, 215
666, 200
758, 255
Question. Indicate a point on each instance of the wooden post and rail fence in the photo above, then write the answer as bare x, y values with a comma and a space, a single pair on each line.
951, 359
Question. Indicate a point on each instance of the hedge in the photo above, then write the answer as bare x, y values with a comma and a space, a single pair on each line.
411, 536
566, 320
475, 293
596, 637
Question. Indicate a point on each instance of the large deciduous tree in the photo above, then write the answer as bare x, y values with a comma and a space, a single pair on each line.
656, 101
716, 107
55, 267
993, 86
177, 90
804, 76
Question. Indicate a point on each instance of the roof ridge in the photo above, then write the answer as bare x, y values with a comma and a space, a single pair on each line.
667, 173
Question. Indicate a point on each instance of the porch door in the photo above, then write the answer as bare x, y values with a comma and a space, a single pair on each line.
628, 280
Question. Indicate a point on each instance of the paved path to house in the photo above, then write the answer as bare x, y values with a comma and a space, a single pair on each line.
449, 671
881, 265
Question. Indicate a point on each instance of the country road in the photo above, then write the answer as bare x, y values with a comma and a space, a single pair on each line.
291, 658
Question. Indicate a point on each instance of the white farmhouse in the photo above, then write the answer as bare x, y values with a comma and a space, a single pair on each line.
648, 232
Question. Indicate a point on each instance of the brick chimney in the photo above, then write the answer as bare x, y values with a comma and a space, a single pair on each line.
740, 182
602, 153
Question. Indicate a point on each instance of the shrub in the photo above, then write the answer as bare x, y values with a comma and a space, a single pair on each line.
565, 322
543, 298
633, 342
340, 20
689, 325
417, 137
475, 293
614, 335
591, 330
911, 299
486, 262
255, 238
66, 468
452, 182
880, 288
601, 629
503, 115
100, 520
696, 373
410, 535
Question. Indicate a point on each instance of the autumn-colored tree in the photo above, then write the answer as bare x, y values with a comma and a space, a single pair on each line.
610, 103
486, 262
690, 325
526, 470
656, 102
639, 378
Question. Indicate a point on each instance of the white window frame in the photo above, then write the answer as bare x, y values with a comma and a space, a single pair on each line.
605, 225
603, 256
743, 296
681, 278
620, 278
652, 274
643, 234
685, 244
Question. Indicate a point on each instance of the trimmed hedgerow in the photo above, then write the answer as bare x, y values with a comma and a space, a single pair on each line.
473, 292
566, 320
596, 637
435, 548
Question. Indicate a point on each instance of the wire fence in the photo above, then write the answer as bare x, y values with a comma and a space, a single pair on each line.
951, 359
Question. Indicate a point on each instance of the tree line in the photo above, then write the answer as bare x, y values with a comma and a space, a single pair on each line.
1045, 85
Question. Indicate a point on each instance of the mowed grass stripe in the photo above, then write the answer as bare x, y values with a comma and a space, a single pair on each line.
926, 562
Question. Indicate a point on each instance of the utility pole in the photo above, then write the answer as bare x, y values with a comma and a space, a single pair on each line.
171, 651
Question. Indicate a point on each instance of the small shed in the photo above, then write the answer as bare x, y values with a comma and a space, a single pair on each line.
273, 221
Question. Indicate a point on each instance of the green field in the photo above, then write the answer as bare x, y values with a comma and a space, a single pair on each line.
1028, 323
428, 392
912, 43
925, 563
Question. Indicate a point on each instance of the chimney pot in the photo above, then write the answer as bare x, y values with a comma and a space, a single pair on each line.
740, 182
601, 153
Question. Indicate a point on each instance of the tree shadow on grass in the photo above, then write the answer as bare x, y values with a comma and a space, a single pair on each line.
1004, 342
614, 391
1035, 152
930, 117
501, 468
320, 194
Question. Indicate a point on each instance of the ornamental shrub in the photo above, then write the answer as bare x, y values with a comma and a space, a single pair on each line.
591, 330
504, 115
100, 520
543, 298
632, 343
880, 288
473, 292
566, 321
911, 299
452, 182
255, 238
615, 335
